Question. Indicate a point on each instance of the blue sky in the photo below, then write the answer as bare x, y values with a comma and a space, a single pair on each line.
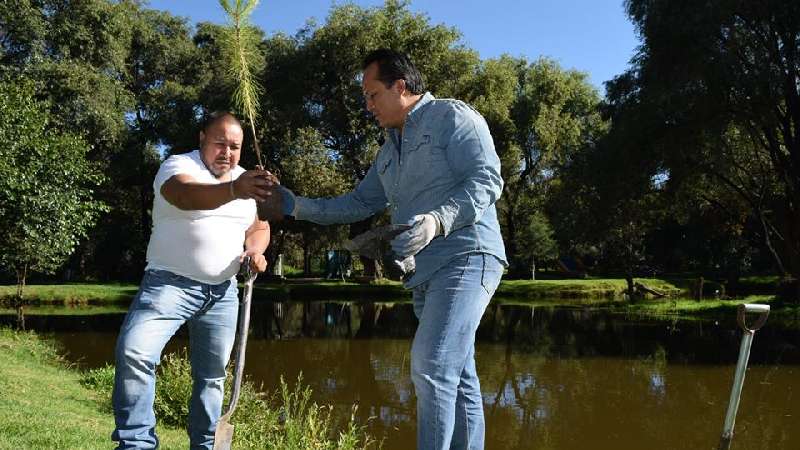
593, 36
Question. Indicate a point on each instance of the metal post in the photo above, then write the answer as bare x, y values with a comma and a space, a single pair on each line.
741, 367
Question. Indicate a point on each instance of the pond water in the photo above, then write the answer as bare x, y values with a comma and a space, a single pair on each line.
552, 378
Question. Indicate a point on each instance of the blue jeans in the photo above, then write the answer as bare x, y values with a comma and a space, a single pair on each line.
449, 307
164, 302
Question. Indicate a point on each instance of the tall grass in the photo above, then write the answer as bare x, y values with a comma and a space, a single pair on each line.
285, 420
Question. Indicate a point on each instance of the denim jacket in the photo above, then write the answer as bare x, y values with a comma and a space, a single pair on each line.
446, 166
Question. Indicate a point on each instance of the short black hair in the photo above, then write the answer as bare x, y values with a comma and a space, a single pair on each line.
211, 119
393, 66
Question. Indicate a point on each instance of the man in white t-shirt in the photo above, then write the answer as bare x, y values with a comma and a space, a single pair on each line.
204, 225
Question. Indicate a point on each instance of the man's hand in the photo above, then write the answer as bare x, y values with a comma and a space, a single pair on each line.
258, 263
257, 184
423, 230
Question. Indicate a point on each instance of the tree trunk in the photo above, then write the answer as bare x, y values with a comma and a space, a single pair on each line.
306, 260
22, 275
698, 294
631, 290
768, 242
790, 284
510, 236
276, 246
372, 268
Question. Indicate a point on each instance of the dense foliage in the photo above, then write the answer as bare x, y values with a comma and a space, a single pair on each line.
689, 164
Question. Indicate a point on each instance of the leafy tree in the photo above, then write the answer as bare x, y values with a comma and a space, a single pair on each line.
725, 76
536, 241
46, 185
312, 80
606, 203
554, 117
128, 79
164, 76
311, 171
75, 53
75, 50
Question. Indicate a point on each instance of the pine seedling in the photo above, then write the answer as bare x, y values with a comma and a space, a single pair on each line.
240, 45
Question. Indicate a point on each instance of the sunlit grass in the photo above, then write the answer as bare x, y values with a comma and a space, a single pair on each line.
48, 404
554, 291
44, 405
690, 308
68, 310
590, 288
67, 294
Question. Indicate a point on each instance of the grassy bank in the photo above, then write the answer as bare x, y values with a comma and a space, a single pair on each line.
325, 290
47, 404
689, 308
592, 288
103, 294
785, 315
72, 294
519, 290
44, 405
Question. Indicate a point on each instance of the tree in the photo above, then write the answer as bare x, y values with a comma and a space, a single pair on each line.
607, 202
312, 80
554, 117
76, 51
536, 241
46, 185
312, 172
726, 76
164, 75
331, 56
129, 80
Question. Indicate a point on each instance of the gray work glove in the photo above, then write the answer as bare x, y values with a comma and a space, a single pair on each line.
424, 228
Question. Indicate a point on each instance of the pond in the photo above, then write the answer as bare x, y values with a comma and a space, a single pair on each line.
552, 378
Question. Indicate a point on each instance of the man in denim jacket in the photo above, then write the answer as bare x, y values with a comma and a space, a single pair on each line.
438, 170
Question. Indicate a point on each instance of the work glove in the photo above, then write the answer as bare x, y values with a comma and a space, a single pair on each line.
424, 228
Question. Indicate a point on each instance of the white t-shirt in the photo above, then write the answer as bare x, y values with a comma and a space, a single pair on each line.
201, 245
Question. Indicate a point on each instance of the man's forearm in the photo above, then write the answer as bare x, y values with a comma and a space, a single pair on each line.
197, 196
185, 193
257, 241
366, 200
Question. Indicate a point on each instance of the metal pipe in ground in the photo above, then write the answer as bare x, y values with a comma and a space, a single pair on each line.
741, 367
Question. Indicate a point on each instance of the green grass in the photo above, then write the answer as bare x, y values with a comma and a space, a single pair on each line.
48, 309
590, 289
47, 404
72, 294
97, 294
380, 290
690, 308
566, 291
44, 405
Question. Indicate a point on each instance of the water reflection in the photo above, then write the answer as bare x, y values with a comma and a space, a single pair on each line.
551, 378
554, 332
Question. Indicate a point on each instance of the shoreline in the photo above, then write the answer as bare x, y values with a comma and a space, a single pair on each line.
593, 293
520, 290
